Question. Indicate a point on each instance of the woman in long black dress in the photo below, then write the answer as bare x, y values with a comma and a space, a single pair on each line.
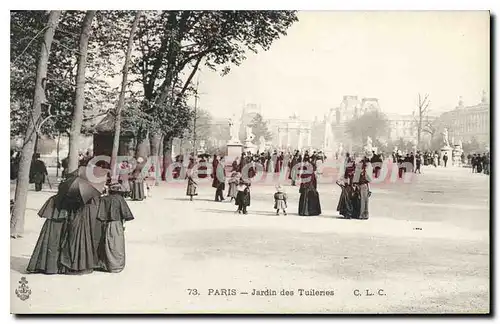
77, 246
109, 237
346, 203
309, 204
45, 256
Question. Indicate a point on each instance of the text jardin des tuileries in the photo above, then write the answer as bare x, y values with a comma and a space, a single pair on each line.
303, 292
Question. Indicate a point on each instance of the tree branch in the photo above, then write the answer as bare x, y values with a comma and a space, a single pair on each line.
188, 81
31, 41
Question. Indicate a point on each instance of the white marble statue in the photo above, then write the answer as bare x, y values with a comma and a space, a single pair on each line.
328, 139
369, 143
250, 135
340, 149
234, 129
445, 138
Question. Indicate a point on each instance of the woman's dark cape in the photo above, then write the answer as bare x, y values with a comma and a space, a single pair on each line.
243, 198
112, 208
45, 257
349, 202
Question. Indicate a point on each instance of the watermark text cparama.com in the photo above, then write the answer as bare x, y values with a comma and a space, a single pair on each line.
327, 171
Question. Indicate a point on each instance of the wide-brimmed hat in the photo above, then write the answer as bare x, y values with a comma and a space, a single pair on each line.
116, 187
279, 188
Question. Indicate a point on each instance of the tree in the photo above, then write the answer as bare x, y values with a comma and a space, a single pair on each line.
472, 146
259, 128
373, 123
121, 100
402, 145
76, 124
422, 116
17, 218
173, 45
429, 127
61, 70
204, 125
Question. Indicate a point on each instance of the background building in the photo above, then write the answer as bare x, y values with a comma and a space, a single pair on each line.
467, 123
402, 127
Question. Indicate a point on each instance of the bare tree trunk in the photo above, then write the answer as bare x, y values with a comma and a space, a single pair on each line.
167, 155
160, 159
419, 134
155, 140
143, 146
17, 217
121, 100
76, 124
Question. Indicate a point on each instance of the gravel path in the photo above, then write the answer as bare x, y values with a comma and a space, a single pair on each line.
175, 245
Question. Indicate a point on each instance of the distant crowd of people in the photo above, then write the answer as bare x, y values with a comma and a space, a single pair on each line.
245, 167
302, 169
480, 163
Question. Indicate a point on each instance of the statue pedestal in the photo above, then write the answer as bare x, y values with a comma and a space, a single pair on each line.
457, 156
250, 147
234, 150
370, 149
449, 152
330, 154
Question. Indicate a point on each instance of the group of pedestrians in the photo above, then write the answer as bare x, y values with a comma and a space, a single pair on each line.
239, 183
83, 229
355, 189
479, 163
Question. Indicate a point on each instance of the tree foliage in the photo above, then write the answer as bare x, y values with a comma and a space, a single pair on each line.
60, 88
373, 123
170, 47
204, 125
260, 128
173, 45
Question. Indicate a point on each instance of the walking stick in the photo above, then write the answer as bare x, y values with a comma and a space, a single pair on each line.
48, 181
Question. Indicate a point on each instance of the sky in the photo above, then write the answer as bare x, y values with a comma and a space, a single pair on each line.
391, 56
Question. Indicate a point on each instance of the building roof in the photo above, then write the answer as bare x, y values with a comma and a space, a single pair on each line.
107, 125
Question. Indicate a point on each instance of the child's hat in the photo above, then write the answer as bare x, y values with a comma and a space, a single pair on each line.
279, 188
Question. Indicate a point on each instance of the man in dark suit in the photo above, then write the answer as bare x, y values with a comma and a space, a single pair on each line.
39, 172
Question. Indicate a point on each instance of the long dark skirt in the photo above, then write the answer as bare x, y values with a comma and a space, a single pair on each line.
309, 204
137, 190
45, 257
345, 206
111, 247
78, 246
192, 189
242, 198
363, 201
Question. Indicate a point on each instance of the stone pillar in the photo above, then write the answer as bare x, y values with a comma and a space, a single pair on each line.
287, 136
280, 137
309, 137
326, 141
299, 144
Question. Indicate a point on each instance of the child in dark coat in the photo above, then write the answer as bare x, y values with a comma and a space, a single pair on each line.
243, 196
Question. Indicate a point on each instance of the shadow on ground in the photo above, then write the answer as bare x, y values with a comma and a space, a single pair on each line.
19, 264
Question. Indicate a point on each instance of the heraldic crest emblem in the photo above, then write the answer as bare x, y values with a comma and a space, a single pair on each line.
23, 291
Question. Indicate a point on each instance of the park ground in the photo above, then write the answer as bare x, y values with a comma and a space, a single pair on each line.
425, 249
